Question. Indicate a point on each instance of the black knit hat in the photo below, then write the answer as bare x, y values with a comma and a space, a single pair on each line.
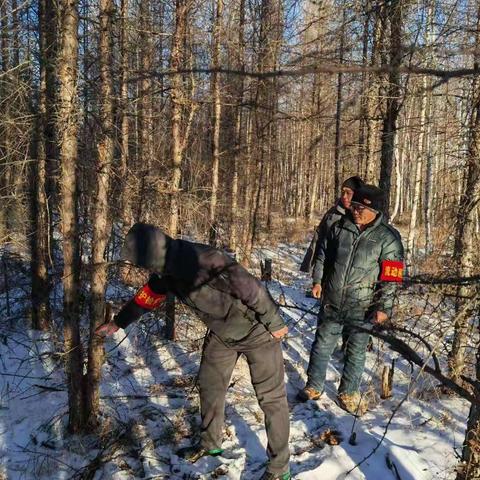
353, 182
146, 246
369, 196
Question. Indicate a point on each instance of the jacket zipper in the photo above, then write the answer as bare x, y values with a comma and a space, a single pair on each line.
349, 266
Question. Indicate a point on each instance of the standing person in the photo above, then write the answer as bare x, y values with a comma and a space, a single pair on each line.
242, 319
335, 213
356, 272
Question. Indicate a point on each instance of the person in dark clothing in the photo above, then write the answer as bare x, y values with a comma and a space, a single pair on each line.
357, 269
333, 215
242, 318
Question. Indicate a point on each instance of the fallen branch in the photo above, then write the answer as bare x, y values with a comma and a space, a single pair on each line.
409, 354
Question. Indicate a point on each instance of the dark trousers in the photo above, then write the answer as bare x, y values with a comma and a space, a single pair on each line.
329, 330
265, 361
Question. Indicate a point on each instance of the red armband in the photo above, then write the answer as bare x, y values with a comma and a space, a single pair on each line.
147, 298
392, 271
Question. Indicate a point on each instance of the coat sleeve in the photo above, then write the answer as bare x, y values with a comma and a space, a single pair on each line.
321, 255
386, 290
309, 257
252, 293
149, 297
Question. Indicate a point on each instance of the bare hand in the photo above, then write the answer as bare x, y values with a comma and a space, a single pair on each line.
317, 291
379, 317
280, 333
107, 329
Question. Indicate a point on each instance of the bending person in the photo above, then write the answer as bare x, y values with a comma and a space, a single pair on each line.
241, 317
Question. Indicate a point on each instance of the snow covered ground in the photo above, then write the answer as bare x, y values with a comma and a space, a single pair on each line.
150, 408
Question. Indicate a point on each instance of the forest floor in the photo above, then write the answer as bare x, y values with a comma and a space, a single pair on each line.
150, 406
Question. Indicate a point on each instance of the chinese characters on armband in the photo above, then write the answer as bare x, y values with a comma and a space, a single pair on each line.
392, 271
147, 298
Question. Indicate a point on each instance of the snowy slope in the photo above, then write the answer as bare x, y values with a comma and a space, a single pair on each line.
150, 408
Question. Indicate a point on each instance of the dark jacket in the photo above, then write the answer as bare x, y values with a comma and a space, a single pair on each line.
226, 297
332, 216
349, 263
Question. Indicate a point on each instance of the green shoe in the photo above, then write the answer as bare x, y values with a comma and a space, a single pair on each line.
275, 476
195, 452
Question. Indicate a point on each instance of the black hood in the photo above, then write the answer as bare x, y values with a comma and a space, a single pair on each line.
146, 246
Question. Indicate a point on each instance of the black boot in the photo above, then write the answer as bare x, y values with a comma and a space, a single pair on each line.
195, 452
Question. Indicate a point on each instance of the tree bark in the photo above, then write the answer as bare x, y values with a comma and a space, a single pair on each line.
271, 31
216, 120
372, 96
412, 233
67, 131
100, 217
395, 16
177, 98
40, 222
145, 122
465, 245
5, 125
238, 134
125, 197
338, 115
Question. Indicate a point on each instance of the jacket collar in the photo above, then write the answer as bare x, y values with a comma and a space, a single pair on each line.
340, 208
350, 224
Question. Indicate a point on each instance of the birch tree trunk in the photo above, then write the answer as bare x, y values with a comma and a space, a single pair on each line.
399, 175
429, 143
412, 232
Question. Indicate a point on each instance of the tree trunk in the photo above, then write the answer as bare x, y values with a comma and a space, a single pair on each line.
395, 16
338, 115
216, 120
100, 217
465, 245
145, 123
271, 31
67, 130
177, 63
40, 222
15, 34
5, 125
430, 39
125, 197
238, 139
399, 174
372, 97
412, 233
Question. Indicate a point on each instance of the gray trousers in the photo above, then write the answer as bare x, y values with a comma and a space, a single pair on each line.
265, 360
